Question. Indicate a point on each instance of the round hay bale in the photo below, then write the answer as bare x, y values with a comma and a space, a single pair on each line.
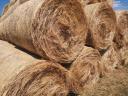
10, 7
122, 22
111, 59
53, 29
119, 39
87, 68
87, 2
12, 61
124, 55
41, 79
101, 19
114, 84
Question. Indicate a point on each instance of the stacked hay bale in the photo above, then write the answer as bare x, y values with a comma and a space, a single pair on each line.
22, 74
122, 22
102, 30
101, 20
87, 68
85, 39
101, 35
10, 7
52, 29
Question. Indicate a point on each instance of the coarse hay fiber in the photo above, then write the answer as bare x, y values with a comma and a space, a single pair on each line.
52, 29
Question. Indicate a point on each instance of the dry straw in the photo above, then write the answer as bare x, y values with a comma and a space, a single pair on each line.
52, 29
119, 39
10, 7
23, 75
114, 84
41, 79
111, 59
122, 21
87, 68
12, 61
102, 25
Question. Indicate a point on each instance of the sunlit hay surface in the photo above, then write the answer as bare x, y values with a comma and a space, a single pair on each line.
53, 29
12, 61
102, 25
41, 79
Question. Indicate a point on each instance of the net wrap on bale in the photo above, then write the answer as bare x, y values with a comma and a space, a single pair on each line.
52, 29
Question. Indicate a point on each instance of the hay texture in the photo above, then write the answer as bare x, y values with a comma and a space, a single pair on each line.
52, 29
23, 75
102, 25
10, 7
87, 68
122, 21
87, 2
114, 84
119, 39
12, 61
111, 59
124, 55
42, 79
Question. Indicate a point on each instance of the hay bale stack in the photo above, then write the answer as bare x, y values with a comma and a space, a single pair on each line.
12, 61
87, 2
22, 74
87, 68
52, 29
41, 79
122, 21
114, 84
111, 59
101, 19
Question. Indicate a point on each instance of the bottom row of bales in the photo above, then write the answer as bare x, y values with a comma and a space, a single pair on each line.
69, 49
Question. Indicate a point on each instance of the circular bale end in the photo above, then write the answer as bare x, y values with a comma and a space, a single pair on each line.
87, 68
101, 19
60, 27
41, 79
122, 22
